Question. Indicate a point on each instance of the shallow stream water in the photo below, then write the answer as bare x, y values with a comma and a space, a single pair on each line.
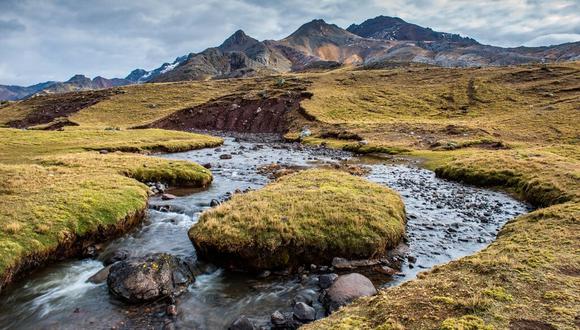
446, 221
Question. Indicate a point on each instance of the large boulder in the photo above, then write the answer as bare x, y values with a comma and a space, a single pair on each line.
304, 218
346, 289
149, 278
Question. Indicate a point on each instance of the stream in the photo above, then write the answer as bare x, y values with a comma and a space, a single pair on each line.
446, 221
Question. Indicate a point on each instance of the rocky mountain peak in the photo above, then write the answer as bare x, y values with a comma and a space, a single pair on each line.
237, 42
79, 79
318, 27
395, 28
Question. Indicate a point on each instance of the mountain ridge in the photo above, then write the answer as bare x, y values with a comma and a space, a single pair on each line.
318, 43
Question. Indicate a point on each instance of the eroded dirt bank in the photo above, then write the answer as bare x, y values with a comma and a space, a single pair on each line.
237, 114
46, 109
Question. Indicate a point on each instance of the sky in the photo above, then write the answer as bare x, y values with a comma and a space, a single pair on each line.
43, 40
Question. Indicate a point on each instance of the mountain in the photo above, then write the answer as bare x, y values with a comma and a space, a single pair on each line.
394, 28
80, 82
376, 42
139, 75
238, 56
12, 93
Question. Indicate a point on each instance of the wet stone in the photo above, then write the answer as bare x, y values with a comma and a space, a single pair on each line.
242, 323
304, 313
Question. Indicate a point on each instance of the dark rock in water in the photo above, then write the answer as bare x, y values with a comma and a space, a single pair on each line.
284, 321
242, 323
90, 252
326, 280
100, 276
225, 156
307, 296
207, 165
149, 278
214, 203
347, 288
264, 274
166, 197
118, 255
171, 310
304, 313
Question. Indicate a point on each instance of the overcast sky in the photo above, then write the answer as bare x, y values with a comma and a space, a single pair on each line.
44, 40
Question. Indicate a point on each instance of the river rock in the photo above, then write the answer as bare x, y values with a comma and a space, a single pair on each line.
347, 288
149, 278
167, 197
226, 156
100, 276
118, 255
304, 313
242, 323
326, 280
284, 321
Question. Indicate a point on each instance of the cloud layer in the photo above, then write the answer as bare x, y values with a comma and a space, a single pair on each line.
53, 39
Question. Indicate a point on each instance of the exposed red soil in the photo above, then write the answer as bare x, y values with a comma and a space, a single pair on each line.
46, 108
236, 114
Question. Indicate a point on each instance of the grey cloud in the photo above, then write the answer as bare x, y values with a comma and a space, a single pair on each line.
10, 26
54, 39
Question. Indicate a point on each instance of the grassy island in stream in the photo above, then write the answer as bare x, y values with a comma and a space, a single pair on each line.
57, 197
307, 217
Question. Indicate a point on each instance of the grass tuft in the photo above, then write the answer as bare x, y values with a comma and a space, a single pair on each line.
302, 218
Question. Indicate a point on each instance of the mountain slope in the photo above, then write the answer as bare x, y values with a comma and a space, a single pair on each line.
238, 56
394, 28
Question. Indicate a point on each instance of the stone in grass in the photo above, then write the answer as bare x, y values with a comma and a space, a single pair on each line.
156, 276
346, 289
303, 218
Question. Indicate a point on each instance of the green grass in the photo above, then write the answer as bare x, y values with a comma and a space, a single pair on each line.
302, 218
54, 191
24, 145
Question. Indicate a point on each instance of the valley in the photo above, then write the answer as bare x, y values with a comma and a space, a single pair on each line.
78, 168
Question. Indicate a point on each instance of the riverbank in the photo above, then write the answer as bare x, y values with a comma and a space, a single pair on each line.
527, 278
58, 199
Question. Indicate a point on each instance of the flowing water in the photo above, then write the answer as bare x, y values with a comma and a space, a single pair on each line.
446, 221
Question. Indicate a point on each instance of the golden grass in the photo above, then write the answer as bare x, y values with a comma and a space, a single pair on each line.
24, 145
310, 216
530, 273
514, 278
413, 108
143, 104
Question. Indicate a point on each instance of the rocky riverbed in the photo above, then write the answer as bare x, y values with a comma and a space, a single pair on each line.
445, 221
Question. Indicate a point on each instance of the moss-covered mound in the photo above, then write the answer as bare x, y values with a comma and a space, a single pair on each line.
307, 217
